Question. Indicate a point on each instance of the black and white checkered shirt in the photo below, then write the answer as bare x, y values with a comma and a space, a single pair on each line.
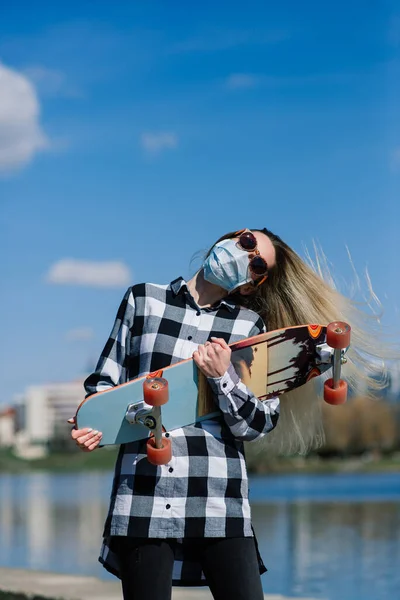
203, 491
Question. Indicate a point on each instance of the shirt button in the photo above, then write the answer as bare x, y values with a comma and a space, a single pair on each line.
167, 435
224, 385
168, 506
198, 313
170, 469
189, 337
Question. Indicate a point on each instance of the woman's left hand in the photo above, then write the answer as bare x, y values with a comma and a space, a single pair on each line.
213, 358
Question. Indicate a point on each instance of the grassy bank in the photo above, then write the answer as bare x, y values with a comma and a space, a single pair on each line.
101, 460
104, 460
315, 464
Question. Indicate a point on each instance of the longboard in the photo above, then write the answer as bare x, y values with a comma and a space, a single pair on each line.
269, 364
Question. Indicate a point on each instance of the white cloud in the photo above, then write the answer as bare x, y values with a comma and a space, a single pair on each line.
89, 273
79, 334
248, 80
241, 81
21, 136
395, 160
51, 82
154, 143
215, 40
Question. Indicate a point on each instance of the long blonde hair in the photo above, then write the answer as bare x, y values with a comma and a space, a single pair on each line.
298, 292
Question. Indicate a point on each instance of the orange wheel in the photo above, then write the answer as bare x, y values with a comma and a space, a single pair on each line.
155, 391
335, 395
159, 456
338, 335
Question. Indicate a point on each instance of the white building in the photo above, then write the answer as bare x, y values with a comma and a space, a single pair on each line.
44, 411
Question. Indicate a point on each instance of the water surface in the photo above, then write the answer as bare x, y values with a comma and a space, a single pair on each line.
334, 536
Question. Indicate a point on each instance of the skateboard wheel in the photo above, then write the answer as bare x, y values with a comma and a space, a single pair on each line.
159, 456
336, 395
155, 391
338, 335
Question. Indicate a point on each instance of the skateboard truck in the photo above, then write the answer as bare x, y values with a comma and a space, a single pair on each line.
138, 414
155, 394
338, 339
325, 355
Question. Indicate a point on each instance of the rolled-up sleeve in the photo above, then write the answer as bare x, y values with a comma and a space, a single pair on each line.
247, 417
111, 369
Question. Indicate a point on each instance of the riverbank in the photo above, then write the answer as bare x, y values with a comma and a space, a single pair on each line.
20, 584
101, 460
104, 460
367, 463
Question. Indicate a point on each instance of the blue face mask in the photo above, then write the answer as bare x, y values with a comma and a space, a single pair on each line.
227, 266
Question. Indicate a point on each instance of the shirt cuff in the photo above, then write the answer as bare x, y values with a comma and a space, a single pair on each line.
222, 386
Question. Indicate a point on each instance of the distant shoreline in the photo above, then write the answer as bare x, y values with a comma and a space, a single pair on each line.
315, 464
104, 460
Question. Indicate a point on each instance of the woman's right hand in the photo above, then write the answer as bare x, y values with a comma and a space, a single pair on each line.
86, 439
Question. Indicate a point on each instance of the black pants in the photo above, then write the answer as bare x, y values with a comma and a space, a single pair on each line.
229, 564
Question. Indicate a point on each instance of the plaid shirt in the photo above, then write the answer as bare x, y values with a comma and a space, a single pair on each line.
203, 491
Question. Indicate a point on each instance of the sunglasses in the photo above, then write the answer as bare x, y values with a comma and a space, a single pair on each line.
257, 265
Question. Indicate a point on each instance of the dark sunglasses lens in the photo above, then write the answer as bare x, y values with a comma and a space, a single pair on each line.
248, 241
258, 265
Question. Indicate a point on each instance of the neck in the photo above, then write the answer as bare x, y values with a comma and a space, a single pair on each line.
204, 293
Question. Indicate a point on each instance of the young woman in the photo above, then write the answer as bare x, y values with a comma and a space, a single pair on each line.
188, 523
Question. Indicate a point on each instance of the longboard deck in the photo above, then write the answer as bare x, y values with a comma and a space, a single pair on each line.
269, 364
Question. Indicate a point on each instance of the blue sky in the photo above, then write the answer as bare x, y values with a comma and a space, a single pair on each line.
135, 133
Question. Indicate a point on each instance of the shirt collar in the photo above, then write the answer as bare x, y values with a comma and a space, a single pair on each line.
179, 286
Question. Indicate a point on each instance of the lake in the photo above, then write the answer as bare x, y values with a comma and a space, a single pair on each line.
321, 536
